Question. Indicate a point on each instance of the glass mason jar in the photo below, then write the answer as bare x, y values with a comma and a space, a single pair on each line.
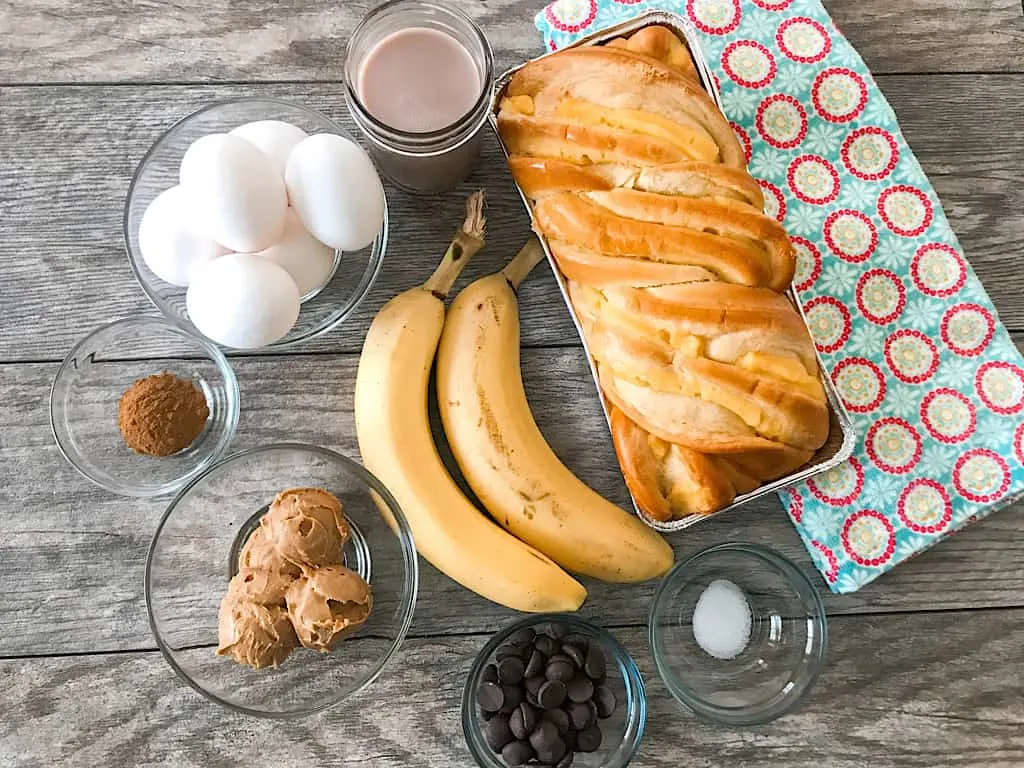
428, 161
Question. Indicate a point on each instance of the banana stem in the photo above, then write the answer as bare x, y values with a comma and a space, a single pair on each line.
467, 241
524, 261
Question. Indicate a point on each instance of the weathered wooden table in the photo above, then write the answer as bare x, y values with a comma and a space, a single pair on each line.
926, 665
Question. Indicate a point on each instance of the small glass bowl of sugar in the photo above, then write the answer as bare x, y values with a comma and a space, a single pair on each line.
738, 634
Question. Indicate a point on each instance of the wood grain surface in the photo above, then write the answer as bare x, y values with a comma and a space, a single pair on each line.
82, 564
70, 153
881, 701
925, 664
93, 41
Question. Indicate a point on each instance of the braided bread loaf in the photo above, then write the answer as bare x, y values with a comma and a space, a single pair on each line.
676, 274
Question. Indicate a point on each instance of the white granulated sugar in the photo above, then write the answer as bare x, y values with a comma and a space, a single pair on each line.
721, 620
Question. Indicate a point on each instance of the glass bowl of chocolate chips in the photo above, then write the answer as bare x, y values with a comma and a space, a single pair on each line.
554, 690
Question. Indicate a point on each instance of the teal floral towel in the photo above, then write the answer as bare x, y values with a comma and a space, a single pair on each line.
930, 376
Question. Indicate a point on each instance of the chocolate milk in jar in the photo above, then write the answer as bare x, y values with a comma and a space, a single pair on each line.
417, 82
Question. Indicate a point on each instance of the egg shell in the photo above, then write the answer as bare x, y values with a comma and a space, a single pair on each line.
274, 138
242, 300
172, 246
334, 188
234, 192
306, 259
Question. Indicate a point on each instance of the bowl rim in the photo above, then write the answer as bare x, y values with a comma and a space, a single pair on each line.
633, 680
411, 580
813, 660
209, 349
378, 248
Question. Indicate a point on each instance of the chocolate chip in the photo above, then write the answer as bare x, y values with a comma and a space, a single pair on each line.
544, 736
551, 694
508, 651
566, 760
546, 645
581, 714
588, 740
595, 664
552, 752
570, 739
521, 637
604, 700
532, 685
510, 670
523, 721
559, 718
497, 732
536, 664
575, 654
560, 668
513, 695
556, 630
517, 753
490, 674
580, 641
580, 689
490, 697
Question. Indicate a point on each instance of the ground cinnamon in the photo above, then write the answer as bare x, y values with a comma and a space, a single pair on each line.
161, 414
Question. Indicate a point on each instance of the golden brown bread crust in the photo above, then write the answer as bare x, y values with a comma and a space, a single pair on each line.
672, 482
583, 144
581, 222
589, 268
676, 275
731, 320
614, 78
661, 44
542, 176
669, 481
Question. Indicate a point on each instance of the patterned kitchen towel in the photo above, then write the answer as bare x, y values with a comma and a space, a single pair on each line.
912, 341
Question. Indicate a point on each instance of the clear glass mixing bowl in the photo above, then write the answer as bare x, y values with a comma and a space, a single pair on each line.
621, 733
89, 384
194, 553
322, 309
781, 660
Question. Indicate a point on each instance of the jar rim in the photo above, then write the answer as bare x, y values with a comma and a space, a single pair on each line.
422, 137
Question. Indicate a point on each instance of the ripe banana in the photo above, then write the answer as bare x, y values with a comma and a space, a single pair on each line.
397, 446
503, 454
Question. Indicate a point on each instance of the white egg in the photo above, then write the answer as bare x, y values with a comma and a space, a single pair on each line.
171, 244
306, 259
335, 190
237, 197
275, 138
242, 300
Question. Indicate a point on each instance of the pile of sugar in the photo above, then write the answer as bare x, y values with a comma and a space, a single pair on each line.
721, 620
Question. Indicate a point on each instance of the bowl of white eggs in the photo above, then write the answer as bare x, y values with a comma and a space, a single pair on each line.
256, 223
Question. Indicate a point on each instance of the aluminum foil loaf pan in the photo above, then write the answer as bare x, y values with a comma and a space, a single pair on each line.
841, 440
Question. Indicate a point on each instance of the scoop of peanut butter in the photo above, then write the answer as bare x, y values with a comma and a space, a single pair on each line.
269, 575
305, 527
328, 604
254, 634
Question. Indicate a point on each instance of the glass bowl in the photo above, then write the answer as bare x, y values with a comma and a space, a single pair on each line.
323, 308
89, 384
621, 733
781, 660
195, 552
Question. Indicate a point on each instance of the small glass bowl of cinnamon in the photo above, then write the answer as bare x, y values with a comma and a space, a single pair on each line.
141, 406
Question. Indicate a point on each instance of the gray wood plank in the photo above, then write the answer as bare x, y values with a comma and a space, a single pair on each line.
926, 36
912, 690
70, 153
194, 41
77, 554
